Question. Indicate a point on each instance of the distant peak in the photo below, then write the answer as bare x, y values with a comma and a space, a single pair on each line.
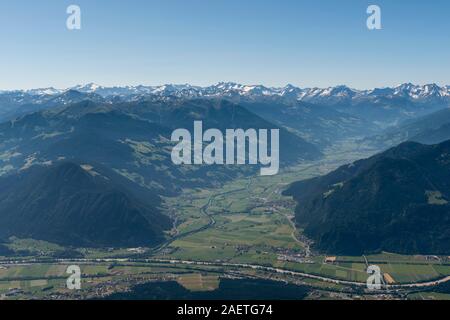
228, 89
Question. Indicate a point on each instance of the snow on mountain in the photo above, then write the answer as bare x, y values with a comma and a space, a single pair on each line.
231, 89
90, 87
44, 91
421, 92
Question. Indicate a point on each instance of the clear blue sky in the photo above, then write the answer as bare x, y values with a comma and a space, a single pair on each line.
272, 42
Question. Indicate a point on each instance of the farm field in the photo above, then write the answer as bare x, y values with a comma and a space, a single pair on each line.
246, 222
253, 224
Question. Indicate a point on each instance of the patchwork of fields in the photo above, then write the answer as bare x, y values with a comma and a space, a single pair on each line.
246, 221
253, 224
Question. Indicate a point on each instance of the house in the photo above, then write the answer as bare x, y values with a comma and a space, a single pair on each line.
330, 260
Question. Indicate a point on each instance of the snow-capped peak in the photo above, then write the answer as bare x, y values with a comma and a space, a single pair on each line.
44, 91
90, 87
339, 93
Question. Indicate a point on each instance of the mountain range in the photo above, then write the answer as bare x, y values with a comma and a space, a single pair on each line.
338, 93
396, 201
113, 144
133, 136
126, 140
345, 110
429, 129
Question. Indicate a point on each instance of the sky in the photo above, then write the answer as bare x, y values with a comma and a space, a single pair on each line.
311, 43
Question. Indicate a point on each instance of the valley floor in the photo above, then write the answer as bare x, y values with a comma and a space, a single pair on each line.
243, 230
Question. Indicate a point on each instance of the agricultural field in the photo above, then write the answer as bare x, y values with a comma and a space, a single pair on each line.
246, 222
249, 221
42, 280
199, 282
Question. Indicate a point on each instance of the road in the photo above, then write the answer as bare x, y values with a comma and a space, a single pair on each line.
302, 274
212, 222
272, 270
203, 210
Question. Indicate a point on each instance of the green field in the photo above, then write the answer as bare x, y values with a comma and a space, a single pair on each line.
247, 221
253, 225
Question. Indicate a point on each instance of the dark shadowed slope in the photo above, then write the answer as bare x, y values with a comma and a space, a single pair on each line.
78, 205
396, 201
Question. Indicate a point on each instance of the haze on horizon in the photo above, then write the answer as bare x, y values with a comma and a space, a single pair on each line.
274, 43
